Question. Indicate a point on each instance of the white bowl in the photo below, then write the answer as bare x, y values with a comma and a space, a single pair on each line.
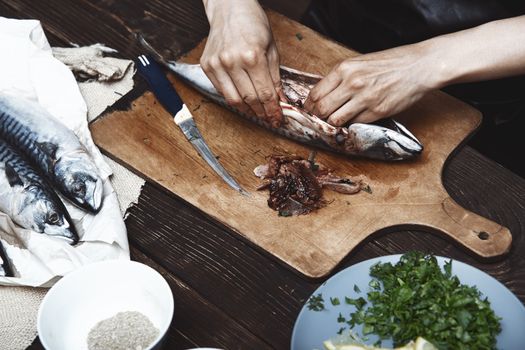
98, 291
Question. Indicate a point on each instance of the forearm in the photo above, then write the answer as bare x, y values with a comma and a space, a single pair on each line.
365, 88
490, 51
224, 7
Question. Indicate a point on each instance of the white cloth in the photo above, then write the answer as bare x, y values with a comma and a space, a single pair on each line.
110, 77
31, 70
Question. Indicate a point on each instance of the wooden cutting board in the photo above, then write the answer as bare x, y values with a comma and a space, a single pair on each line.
410, 193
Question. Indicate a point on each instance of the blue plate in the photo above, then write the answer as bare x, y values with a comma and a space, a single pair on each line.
313, 327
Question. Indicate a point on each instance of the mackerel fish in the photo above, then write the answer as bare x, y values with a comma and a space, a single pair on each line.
53, 148
5, 268
390, 141
29, 200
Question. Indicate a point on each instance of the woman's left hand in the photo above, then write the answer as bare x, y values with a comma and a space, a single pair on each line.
372, 86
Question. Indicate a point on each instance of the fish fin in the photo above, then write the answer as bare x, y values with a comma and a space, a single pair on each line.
48, 148
12, 176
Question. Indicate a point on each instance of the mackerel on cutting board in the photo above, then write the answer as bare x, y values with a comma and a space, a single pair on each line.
404, 194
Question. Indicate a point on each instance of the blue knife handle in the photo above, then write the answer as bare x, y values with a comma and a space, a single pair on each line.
159, 84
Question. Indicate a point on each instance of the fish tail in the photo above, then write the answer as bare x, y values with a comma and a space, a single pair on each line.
5, 267
147, 46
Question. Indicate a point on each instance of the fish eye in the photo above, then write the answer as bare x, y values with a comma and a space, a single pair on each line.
79, 188
53, 218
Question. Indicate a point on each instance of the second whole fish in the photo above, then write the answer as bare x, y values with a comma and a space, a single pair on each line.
5, 268
29, 200
394, 142
54, 148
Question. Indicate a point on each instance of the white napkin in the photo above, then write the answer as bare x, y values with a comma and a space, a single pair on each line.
28, 68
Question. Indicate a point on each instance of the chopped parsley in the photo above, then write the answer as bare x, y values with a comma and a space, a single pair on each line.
334, 301
358, 303
316, 302
415, 298
418, 299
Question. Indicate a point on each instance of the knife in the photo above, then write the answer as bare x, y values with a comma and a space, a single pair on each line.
171, 101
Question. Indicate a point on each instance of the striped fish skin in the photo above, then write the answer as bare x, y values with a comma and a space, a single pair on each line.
5, 267
357, 139
53, 148
29, 200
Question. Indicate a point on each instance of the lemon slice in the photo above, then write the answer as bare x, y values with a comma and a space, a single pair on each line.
329, 345
423, 344
419, 344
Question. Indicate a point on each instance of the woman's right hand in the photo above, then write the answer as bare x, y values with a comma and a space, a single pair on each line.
241, 58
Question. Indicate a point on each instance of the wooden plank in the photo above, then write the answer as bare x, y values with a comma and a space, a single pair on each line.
196, 321
178, 25
73, 21
146, 140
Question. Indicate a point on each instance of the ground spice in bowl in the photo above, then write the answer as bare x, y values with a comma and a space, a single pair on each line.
124, 331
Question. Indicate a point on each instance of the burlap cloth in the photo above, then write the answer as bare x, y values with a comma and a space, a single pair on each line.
19, 305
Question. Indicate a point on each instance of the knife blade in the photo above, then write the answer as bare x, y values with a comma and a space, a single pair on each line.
171, 101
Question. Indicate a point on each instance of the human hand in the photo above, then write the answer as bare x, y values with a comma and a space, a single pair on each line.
369, 87
241, 58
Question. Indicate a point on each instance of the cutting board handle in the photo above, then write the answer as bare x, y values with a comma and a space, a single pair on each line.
483, 236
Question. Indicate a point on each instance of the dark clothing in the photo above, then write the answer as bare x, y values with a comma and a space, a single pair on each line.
389, 23
373, 25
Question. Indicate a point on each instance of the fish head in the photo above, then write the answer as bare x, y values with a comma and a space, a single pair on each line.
80, 181
49, 217
378, 142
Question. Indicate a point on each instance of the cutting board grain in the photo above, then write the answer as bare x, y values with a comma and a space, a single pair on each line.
145, 139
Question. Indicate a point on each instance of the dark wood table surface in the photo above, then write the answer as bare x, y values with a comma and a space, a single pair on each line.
227, 293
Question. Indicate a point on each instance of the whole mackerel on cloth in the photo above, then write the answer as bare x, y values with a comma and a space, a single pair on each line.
365, 140
29, 200
5, 267
55, 149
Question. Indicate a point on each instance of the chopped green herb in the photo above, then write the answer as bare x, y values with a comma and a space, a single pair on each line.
316, 302
341, 319
448, 268
299, 36
334, 301
358, 303
356, 289
340, 331
374, 284
416, 298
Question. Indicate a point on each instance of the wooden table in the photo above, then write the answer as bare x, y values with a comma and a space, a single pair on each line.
228, 294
